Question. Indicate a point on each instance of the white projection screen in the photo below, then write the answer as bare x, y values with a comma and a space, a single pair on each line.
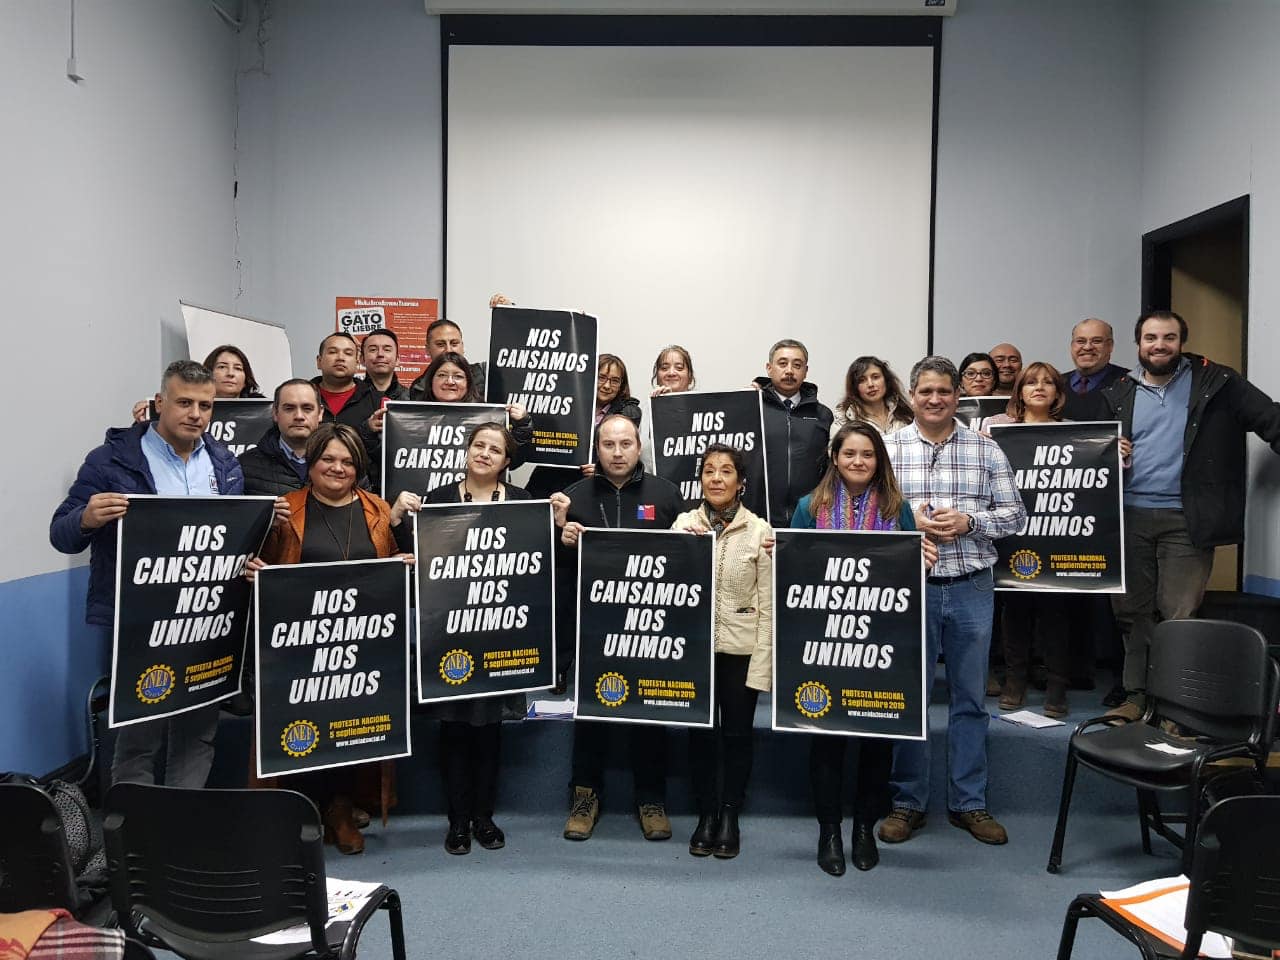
720, 197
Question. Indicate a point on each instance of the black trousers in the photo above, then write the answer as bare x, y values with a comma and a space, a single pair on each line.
826, 776
469, 767
646, 743
723, 752
1031, 615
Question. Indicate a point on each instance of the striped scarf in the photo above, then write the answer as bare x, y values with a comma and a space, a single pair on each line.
854, 513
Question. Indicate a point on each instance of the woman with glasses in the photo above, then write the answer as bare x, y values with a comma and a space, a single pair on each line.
448, 380
977, 375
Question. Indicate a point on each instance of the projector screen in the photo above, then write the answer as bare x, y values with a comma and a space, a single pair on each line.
719, 197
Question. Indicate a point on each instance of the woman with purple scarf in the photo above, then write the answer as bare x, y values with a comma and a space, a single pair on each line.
858, 492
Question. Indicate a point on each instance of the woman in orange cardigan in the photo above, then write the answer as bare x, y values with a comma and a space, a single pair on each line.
332, 519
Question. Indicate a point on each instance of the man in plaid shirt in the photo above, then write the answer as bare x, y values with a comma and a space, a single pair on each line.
962, 490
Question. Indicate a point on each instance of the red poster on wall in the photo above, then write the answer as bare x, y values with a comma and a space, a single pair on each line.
409, 317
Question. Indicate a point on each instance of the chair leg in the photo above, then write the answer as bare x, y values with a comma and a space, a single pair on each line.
1144, 818
1075, 911
1193, 824
1060, 830
396, 920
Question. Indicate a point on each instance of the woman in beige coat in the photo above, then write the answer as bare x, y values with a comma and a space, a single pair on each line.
744, 648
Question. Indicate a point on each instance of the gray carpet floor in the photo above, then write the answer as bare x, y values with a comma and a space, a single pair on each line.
617, 895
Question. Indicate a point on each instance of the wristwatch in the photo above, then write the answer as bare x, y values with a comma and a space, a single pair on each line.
971, 523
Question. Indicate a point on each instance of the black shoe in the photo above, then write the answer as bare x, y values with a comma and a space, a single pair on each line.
1115, 696
865, 853
562, 683
728, 839
703, 840
458, 840
488, 834
830, 849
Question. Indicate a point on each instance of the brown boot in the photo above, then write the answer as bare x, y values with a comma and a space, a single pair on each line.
1014, 692
583, 814
340, 827
1055, 699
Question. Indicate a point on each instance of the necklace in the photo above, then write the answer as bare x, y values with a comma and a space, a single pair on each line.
466, 492
350, 520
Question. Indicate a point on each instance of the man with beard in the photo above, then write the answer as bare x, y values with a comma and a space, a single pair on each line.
1184, 487
797, 429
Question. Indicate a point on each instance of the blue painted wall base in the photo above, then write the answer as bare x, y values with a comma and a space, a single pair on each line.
50, 657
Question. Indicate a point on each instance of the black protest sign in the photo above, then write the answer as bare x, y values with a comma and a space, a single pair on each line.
182, 603
486, 614
545, 360
645, 611
1071, 482
240, 422
332, 642
848, 634
972, 411
237, 422
685, 424
424, 445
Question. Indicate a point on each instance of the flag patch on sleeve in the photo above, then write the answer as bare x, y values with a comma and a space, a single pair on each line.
645, 511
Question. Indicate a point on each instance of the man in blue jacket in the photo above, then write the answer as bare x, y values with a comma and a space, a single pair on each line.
171, 456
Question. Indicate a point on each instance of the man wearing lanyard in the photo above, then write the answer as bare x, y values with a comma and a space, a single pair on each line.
963, 492
172, 456
1184, 488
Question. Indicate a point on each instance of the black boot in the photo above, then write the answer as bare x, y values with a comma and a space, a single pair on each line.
727, 838
704, 836
865, 854
830, 849
458, 840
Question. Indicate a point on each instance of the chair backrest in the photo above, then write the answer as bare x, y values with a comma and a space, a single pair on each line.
1235, 878
216, 865
1214, 677
35, 864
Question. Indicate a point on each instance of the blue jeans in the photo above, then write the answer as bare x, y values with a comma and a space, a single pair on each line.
957, 623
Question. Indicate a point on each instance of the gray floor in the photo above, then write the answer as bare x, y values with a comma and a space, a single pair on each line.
619, 896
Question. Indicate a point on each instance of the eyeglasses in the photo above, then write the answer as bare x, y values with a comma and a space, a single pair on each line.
444, 377
609, 381
1091, 342
978, 375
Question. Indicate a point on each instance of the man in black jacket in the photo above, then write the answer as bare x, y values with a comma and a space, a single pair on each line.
380, 353
620, 494
797, 429
1092, 341
1185, 487
348, 400
278, 464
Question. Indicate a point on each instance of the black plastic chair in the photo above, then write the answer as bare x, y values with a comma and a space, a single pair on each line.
35, 864
202, 872
1234, 885
1215, 681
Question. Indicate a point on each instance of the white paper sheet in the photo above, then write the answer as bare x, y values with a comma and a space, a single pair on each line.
346, 898
1160, 906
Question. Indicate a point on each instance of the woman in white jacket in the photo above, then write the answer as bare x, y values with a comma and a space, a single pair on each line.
744, 648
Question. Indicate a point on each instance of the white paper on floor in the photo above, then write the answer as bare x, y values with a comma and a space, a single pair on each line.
1029, 718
